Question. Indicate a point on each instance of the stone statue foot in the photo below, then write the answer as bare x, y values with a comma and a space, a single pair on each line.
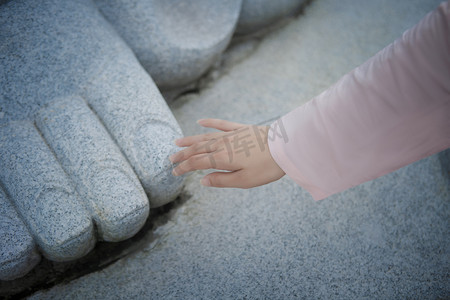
130, 106
175, 41
43, 194
85, 134
18, 253
255, 14
102, 176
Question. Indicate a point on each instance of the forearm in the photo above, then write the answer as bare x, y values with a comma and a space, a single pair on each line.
391, 111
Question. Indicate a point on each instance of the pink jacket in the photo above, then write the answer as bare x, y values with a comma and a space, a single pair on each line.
389, 112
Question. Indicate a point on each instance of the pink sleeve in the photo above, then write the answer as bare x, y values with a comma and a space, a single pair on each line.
387, 113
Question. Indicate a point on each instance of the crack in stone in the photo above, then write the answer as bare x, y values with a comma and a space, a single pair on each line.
48, 274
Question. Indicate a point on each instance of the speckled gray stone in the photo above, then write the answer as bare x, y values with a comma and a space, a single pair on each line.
176, 41
131, 107
43, 194
18, 253
52, 49
385, 239
101, 174
56, 49
255, 14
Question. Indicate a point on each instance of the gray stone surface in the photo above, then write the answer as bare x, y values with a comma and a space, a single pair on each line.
385, 239
59, 48
256, 14
131, 107
176, 41
43, 194
50, 50
18, 253
101, 174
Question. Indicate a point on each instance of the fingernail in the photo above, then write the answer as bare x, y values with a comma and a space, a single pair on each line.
174, 172
172, 158
200, 120
205, 181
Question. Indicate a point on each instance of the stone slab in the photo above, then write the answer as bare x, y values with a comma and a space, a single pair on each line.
276, 242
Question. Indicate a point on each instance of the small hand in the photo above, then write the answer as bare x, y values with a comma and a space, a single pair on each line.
241, 150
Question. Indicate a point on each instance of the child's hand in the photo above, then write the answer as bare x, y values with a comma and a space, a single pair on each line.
240, 149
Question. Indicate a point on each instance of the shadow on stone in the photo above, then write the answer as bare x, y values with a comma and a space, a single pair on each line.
48, 274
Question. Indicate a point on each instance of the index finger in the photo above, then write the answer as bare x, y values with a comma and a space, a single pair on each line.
190, 140
220, 124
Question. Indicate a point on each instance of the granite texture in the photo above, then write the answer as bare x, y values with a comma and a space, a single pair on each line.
102, 176
18, 253
385, 239
131, 107
176, 41
52, 51
256, 14
43, 194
